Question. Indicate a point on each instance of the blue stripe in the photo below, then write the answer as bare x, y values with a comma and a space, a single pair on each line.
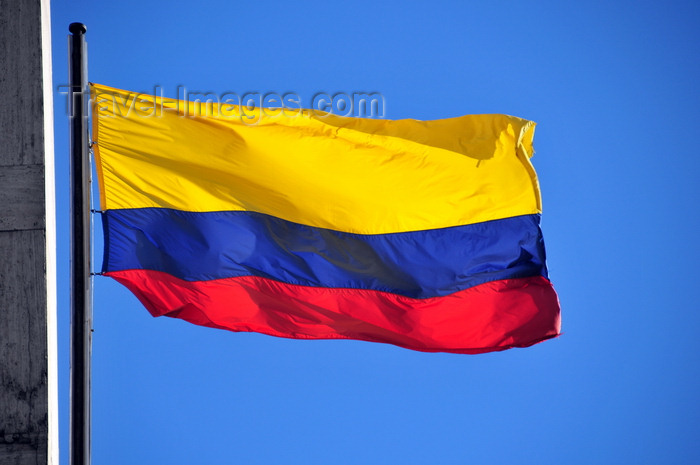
419, 264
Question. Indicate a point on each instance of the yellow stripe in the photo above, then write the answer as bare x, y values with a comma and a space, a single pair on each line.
367, 176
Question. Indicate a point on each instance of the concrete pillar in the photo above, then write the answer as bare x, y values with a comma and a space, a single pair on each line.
28, 388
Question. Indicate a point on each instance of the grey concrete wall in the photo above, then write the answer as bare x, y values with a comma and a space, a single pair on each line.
27, 243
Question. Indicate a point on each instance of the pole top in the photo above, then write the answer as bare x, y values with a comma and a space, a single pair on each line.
77, 28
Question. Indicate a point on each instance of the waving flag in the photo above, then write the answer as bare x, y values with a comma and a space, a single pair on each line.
422, 234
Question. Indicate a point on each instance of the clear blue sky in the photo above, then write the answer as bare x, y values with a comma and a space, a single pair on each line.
613, 88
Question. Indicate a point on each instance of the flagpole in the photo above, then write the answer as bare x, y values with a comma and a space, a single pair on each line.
81, 285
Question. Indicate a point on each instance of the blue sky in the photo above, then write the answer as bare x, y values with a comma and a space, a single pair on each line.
612, 86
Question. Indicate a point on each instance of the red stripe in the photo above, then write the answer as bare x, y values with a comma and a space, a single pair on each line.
489, 317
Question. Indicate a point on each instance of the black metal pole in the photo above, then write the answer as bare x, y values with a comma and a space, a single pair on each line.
81, 289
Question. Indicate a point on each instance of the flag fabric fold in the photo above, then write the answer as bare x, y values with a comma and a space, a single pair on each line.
421, 234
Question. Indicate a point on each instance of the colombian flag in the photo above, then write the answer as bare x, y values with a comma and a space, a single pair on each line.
293, 223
